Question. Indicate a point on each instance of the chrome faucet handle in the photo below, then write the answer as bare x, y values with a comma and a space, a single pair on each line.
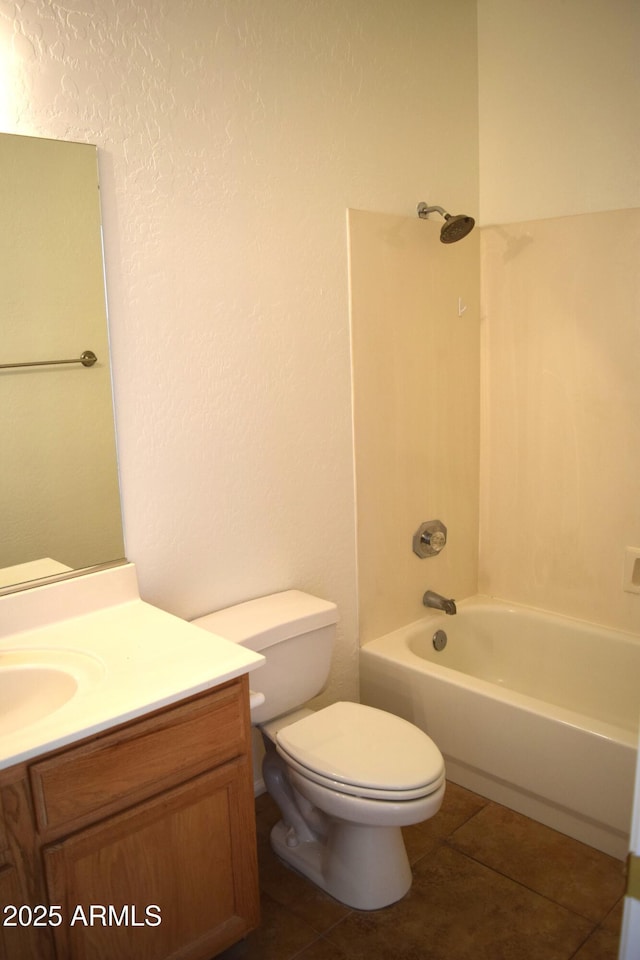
435, 540
429, 539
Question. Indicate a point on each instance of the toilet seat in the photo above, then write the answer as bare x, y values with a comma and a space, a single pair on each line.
359, 750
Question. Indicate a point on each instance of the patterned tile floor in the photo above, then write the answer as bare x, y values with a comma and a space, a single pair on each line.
488, 884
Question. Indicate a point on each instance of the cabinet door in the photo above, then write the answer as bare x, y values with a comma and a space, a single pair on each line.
174, 877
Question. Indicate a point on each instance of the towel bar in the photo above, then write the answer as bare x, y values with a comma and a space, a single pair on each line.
87, 359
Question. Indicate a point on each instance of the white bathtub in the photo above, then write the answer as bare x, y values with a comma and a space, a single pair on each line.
530, 709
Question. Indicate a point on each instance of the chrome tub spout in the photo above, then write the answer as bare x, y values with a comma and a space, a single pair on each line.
431, 599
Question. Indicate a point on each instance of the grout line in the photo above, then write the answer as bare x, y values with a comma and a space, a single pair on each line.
306, 947
581, 945
520, 883
472, 816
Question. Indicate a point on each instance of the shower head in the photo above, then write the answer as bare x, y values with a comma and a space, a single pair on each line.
454, 228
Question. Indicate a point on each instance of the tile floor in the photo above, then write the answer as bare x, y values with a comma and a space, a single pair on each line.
489, 884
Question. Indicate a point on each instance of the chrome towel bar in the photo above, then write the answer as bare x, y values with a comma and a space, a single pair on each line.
87, 359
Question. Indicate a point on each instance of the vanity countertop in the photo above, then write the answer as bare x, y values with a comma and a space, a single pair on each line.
132, 657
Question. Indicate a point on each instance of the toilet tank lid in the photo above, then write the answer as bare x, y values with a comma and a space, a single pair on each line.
259, 623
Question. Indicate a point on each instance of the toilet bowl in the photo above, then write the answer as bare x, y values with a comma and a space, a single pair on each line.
346, 778
359, 774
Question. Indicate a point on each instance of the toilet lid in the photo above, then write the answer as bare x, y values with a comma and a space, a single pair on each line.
363, 750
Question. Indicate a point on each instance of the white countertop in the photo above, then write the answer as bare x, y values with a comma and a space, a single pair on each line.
134, 657
33, 570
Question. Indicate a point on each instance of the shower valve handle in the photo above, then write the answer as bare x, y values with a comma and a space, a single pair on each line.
434, 540
429, 539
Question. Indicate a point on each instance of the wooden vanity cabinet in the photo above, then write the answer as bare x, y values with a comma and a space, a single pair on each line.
15, 943
145, 835
21, 881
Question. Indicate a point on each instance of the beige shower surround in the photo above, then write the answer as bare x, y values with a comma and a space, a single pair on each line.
416, 335
558, 352
560, 475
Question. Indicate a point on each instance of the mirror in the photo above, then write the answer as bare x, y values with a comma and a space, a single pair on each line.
59, 493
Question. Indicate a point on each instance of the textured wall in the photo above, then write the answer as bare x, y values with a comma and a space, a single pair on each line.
233, 136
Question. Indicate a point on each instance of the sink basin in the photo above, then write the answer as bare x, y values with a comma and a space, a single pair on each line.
36, 683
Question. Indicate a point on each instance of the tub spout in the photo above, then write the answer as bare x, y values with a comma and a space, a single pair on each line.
431, 599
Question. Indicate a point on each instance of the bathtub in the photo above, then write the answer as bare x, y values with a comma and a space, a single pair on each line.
536, 711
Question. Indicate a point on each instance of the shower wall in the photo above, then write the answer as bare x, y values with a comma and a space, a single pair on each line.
415, 347
561, 433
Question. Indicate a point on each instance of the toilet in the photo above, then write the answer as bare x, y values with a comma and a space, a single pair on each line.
347, 777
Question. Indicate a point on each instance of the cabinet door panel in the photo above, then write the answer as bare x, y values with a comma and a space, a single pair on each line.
189, 853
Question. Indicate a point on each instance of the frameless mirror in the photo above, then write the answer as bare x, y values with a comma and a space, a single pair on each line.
59, 494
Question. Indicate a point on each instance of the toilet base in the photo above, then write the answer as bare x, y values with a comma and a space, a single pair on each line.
361, 866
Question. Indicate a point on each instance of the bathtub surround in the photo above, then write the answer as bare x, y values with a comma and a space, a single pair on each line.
560, 438
415, 348
560, 400
556, 351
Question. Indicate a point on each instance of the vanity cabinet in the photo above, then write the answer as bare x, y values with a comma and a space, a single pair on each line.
21, 882
13, 944
143, 838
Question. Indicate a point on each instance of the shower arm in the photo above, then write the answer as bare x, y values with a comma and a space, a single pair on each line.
424, 211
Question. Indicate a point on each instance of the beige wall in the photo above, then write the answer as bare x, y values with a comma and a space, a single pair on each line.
232, 138
415, 329
561, 395
559, 107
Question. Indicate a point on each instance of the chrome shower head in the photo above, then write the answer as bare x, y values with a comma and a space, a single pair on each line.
454, 228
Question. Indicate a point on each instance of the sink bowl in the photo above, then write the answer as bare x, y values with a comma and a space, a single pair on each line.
36, 683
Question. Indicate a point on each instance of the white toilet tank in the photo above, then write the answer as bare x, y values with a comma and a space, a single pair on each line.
295, 632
